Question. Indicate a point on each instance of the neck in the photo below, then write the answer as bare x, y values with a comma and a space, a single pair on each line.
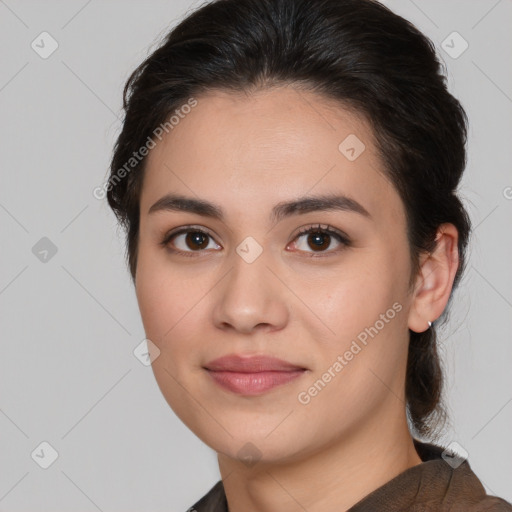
333, 479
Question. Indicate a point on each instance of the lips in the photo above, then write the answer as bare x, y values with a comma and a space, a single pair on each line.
251, 364
252, 375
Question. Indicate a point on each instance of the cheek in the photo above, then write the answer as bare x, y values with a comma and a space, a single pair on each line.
172, 306
355, 295
358, 362
364, 308
159, 296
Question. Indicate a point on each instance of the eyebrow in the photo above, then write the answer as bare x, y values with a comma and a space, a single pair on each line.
302, 205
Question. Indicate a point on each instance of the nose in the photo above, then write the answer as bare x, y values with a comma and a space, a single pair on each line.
251, 298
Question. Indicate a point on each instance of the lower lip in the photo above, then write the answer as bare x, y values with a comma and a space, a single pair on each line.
253, 383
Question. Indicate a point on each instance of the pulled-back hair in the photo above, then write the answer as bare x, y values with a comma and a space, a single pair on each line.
360, 54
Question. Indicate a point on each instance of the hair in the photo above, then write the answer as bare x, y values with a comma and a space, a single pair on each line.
356, 52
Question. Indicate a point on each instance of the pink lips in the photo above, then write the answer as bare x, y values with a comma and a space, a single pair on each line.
252, 375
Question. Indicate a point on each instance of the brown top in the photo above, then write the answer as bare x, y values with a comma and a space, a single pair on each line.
432, 486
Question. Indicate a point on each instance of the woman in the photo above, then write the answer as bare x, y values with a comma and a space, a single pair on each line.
287, 175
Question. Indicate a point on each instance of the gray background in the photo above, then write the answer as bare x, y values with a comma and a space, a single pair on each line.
68, 375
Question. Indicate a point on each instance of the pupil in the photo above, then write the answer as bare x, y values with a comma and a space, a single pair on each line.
317, 240
197, 239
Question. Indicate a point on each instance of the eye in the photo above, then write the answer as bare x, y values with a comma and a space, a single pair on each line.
188, 240
319, 238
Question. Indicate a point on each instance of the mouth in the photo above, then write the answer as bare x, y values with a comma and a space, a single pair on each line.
252, 375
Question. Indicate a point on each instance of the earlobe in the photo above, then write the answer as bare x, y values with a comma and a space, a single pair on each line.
435, 279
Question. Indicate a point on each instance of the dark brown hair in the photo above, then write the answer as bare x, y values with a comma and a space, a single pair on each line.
356, 52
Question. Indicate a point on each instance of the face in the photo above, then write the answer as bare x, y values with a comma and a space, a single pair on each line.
242, 277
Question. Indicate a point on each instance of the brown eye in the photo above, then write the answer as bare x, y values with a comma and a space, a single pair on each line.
318, 239
196, 240
187, 241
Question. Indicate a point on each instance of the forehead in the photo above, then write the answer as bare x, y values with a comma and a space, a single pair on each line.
240, 150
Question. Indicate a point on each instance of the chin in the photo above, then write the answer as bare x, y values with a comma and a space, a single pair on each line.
254, 444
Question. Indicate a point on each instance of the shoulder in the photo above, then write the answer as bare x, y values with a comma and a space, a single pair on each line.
487, 504
490, 504
463, 491
213, 501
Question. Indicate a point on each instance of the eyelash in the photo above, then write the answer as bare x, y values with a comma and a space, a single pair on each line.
325, 229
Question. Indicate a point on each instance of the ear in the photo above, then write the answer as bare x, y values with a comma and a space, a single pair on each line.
435, 279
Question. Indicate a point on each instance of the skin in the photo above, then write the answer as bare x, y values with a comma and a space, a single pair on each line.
246, 153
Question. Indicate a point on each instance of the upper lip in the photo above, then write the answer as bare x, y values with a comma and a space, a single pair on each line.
251, 364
